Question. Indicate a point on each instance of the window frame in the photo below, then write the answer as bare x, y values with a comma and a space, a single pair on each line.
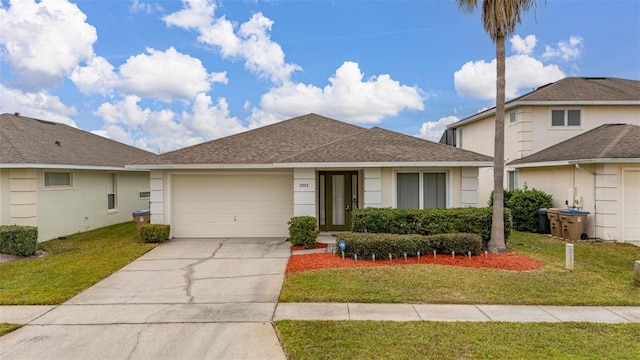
57, 187
512, 180
513, 117
421, 194
566, 118
112, 190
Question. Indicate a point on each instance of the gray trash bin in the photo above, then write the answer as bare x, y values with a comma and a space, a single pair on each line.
544, 225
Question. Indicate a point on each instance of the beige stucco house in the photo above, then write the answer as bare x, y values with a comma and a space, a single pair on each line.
551, 115
64, 180
250, 184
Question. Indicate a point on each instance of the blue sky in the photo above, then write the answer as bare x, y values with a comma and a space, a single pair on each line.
163, 75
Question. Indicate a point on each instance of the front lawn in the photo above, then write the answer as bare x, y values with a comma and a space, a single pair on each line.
602, 276
457, 340
71, 265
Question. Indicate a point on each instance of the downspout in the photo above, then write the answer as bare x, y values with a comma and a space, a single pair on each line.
594, 196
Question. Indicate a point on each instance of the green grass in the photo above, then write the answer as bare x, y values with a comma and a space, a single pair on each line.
7, 328
460, 340
71, 265
603, 275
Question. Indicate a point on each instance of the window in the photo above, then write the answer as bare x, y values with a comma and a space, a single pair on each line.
512, 180
58, 179
112, 186
565, 118
512, 117
421, 190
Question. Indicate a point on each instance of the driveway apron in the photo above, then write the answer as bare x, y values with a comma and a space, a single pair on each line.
186, 299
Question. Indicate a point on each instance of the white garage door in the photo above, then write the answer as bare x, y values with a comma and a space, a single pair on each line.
231, 205
631, 206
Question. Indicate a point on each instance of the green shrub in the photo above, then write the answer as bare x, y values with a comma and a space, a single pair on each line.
18, 240
524, 205
367, 244
155, 233
303, 230
428, 222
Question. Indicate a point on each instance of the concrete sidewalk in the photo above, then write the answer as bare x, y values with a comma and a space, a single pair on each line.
266, 312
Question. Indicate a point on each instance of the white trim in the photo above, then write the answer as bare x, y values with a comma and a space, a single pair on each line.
198, 166
580, 161
66, 166
321, 165
443, 164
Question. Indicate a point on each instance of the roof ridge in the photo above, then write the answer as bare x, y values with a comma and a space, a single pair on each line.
615, 142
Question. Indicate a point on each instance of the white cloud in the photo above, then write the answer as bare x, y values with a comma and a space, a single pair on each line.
43, 41
432, 130
145, 7
166, 75
97, 76
477, 79
39, 105
348, 98
565, 50
211, 122
251, 42
196, 14
523, 46
160, 131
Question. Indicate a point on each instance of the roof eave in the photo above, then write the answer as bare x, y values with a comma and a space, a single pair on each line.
577, 161
386, 164
66, 167
198, 166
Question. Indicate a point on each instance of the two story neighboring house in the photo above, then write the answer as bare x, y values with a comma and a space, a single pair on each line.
554, 114
64, 180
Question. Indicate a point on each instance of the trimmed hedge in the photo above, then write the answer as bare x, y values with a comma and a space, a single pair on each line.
429, 221
155, 233
303, 230
367, 244
18, 240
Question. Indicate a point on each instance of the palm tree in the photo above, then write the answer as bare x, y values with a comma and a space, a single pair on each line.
499, 18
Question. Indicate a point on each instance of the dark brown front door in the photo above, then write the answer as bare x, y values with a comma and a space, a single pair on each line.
338, 196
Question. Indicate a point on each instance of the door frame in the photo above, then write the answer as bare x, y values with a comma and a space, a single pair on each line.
351, 183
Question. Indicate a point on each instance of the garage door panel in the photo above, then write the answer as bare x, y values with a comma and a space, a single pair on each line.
232, 205
631, 206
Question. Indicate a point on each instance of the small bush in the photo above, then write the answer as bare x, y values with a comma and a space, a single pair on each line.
366, 244
155, 233
18, 240
303, 231
428, 222
524, 204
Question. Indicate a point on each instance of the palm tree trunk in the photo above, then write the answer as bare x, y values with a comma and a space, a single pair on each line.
497, 243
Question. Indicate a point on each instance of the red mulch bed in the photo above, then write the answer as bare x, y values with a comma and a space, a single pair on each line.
300, 247
507, 261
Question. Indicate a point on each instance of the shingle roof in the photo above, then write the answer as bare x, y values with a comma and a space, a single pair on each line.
609, 141
585, 89
312, 138
380, 145
25, 140
572, 90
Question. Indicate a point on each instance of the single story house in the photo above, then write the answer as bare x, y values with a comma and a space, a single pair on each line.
597, 171
64, 180
251, 184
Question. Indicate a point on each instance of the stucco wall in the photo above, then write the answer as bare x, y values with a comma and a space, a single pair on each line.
84, 206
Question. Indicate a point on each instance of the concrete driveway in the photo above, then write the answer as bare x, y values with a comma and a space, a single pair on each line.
186, 299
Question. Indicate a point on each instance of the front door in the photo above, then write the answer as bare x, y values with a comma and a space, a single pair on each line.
338, 196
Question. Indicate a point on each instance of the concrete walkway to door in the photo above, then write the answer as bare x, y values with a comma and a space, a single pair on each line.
186, 299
